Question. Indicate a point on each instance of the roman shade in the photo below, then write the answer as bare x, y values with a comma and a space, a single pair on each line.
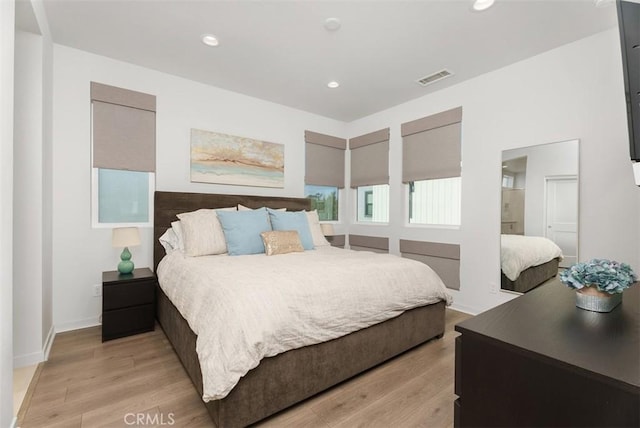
370, 159
123, 129
324, 159
431, 147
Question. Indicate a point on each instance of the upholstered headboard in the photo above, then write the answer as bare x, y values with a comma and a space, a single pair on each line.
168, 204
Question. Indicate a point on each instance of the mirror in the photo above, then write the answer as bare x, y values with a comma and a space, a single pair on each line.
539, 214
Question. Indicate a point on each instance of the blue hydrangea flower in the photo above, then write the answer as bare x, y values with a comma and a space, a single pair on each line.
607, 275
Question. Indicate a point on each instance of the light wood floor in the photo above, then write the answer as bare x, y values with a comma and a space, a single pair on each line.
87, 383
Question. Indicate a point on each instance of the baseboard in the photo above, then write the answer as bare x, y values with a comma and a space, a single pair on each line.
28, 359
14, 422
77, 325
36, 357
464, 308
47, 343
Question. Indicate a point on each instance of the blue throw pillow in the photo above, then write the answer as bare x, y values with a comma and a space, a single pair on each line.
242, 230
281, 220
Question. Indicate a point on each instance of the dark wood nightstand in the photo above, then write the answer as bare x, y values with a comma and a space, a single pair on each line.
128, 303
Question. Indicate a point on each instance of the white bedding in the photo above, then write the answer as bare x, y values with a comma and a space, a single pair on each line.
245, 308
518, 253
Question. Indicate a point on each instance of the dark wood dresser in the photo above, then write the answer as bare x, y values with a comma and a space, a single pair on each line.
128, 303
539, 361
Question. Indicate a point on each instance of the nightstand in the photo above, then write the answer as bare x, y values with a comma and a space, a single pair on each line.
128, 303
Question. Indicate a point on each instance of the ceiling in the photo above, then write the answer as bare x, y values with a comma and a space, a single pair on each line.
280, 51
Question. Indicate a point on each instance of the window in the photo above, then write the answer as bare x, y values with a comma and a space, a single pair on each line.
431, 167
122, 197
373, 203
324, 172
370, 175
508, 181
435, 202
325, 200
123, 134
368, 203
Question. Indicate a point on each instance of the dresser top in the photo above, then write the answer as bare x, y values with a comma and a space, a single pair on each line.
545, 323
139, 274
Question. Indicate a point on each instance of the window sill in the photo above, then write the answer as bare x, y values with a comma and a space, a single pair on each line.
371, 223
432, 226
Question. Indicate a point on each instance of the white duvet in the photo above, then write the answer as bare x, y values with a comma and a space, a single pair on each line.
518, 253
245, 308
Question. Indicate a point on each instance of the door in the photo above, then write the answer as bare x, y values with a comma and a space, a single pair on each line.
561, 220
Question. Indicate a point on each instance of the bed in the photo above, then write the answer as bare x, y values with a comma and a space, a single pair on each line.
284, 379
527, 261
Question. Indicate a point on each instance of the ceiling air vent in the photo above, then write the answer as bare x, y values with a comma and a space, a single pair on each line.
432, 78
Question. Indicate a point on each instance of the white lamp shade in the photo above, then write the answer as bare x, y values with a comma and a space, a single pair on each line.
327, 229
125, 237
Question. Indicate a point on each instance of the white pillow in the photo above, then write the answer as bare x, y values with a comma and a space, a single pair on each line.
202, 232
176, 226
169, 241
316, 231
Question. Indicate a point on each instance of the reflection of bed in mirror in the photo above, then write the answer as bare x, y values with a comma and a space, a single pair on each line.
527, 262
540, 201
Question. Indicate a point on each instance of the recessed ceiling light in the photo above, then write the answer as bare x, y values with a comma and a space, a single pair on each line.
210, 40
333, 84
480, 5
332, 24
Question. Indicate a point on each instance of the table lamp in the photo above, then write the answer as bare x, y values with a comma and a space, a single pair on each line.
125, 237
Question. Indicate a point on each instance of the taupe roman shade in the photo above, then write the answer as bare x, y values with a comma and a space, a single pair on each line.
324, 159
123, 129
431, 146
370, 159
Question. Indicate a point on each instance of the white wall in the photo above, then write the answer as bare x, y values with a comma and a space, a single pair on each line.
81, 253
7, 14
572, 92
32, 227
47, 178
27, 203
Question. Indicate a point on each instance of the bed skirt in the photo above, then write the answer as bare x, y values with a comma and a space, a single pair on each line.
531, 278
285, 379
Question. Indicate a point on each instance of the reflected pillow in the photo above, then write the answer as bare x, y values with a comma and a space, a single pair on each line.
242, 230
293, 221
281, 242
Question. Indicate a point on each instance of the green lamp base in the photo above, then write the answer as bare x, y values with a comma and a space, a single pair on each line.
126, 265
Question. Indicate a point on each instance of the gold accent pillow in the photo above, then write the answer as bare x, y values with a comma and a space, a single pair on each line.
281, 242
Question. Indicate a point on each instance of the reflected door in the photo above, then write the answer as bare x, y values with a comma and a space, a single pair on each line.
562, 216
